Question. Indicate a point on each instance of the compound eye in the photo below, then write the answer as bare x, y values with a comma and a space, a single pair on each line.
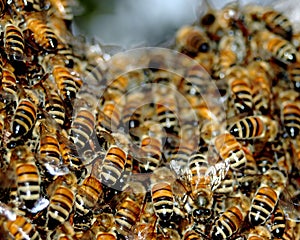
208, 19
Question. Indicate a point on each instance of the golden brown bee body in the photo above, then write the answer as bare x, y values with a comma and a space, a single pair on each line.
82, 128
24, 118
263, 205
14, 42
49, 149
113, 165
42, 34
28, 179
60, 206
151, 153
291, 118
21, 228
278, 23
66, 82
227, 224
294, 75
89, 192
54, 106
191, 40
163, 200
277, 47
108, 117
9, 86
278, 223
230, 150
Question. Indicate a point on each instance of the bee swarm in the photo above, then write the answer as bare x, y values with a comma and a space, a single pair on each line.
201, 142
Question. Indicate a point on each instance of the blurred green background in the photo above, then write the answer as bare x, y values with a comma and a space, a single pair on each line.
133, 23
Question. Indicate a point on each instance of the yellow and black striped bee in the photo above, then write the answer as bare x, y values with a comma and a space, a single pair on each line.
166, 110
20, 228
278, 223
128, 208
191, 40
290, 115
55, 107
28, 179
254, 127
274, 46
24, 118
151, 153
260, 74
113, 165
14, 43
228, 223
108, 117
49, 148
67, 83
294, 75
259, 233
88, 195
41, 33
272, 19
230, 150
263, 204
163, 200
200, 186
9, 87
62, 198
82, 127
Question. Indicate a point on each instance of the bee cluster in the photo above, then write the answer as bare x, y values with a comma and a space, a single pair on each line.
198, 141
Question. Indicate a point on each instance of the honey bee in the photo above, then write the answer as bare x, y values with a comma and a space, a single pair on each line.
108, 117
20, 228
42, 34
263, 205
255, 127
163, 200
230, 150
28, 6
89, 193
14, 42
28, 177
259, 233
113, 165
129, 207
200, 186
273, 20
191, 40
66, 81
49, 149
291, 118
293, 73
61, 200
231, 52
166, 110
55, 107
259, 72
228, 223
116, 88
278, 224
24, 118
275, 46
9, 87
217, 22
82, 127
